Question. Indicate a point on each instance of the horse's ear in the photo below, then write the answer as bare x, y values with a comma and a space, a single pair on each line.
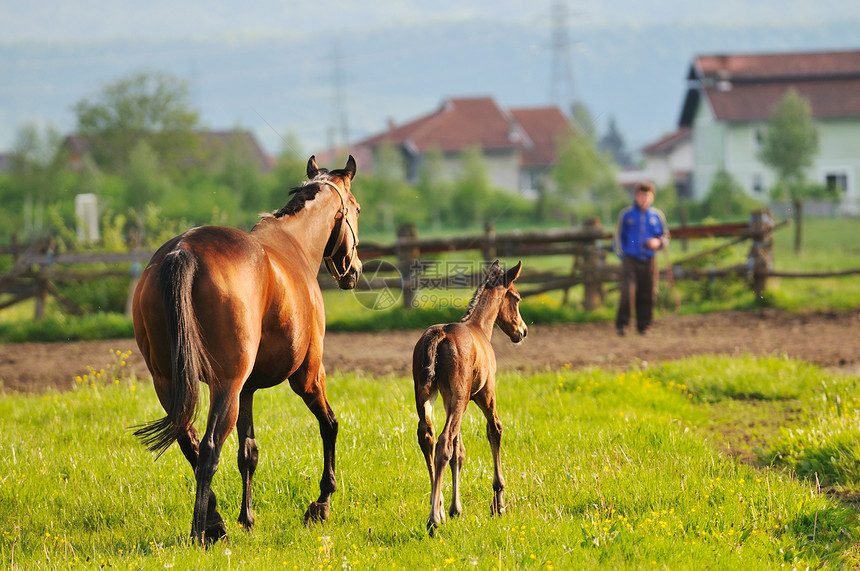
350, 167
313, 169
513, 273
495, 275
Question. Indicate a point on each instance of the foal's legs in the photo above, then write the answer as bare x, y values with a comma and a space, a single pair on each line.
424, 397
248, 454
454, 408
425, 394
456, 466
311, 387
486, 401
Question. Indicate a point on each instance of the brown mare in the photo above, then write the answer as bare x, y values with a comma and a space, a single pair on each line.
242, 311
457, 360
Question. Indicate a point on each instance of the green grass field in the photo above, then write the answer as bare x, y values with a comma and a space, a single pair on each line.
603, 471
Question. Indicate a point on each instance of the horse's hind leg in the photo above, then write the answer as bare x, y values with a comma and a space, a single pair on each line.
223, 410
443, 454
248, 455
456, 466
424, 398
486, 401
189, 443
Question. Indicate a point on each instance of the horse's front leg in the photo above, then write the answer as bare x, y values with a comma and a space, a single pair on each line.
311, 387
248, 455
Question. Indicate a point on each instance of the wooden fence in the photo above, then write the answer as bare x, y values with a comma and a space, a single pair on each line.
588, 246
403, 266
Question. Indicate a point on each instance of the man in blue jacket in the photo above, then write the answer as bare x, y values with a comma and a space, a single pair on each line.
640, 232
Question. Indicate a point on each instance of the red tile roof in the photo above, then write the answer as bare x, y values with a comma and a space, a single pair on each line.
781, 65
747, 87
755, 101
459, 123
544, 126
667, 143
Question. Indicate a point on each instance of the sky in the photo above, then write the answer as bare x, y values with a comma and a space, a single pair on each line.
55, 52
72, 20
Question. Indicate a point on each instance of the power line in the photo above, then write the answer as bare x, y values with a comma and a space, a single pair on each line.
340, 128
562, 87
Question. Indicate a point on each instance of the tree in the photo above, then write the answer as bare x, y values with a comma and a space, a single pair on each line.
789, 146
239, 174
144, 180
582, 120
38, 168
472, 188
434, 190
724, 199
582, 173
386, 198
613, 143
150, 106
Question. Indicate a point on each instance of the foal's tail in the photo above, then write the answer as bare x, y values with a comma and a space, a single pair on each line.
431, 349
189, 360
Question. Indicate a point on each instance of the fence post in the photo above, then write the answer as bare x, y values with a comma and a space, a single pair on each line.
490, 252
15, 251
683, 214
43, 277
41, 294
760, 259
593, 260
406, 256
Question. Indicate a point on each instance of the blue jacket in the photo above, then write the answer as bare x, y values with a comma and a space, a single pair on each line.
635, 227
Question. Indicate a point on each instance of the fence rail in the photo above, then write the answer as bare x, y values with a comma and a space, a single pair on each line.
36, 268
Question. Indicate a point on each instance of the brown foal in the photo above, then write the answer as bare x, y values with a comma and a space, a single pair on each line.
457, 360
243, 311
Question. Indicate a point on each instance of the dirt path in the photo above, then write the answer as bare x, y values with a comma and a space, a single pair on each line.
828, 339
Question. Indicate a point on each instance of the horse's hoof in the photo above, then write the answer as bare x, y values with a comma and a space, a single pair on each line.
247, 523
215, 533
317, 512
498, 507
431, 528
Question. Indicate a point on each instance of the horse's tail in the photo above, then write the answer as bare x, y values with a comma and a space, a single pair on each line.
431, 348
189, 360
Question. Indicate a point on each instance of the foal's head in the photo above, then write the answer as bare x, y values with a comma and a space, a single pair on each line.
499, 289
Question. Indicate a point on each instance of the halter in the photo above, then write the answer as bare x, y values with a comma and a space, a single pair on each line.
337, 236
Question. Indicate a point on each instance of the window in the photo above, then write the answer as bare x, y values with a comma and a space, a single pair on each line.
758, 137
836, 182
757, 183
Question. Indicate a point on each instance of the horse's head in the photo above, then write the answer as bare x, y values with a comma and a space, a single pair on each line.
341, 250
509, 318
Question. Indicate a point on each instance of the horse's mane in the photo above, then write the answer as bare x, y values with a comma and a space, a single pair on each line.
493, 273
308, 190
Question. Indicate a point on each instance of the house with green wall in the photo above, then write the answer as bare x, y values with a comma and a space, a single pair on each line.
730, 99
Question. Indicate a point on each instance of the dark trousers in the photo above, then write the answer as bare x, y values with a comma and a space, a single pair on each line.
639, 283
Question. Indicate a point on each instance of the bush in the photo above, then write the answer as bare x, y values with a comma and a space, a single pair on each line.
107, 295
